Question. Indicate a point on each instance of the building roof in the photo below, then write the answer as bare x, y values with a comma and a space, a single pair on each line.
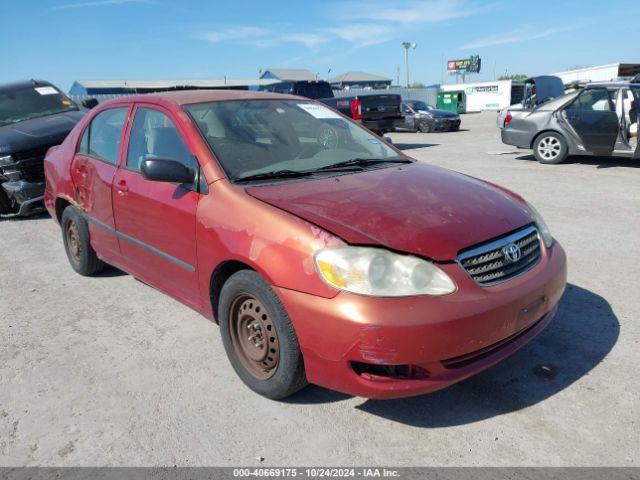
152, 84
294, 74
358, 77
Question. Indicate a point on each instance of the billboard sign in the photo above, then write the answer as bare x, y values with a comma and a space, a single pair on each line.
467, 65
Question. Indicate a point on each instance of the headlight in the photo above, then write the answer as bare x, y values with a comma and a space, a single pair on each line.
6, 160
545, 233
380, 273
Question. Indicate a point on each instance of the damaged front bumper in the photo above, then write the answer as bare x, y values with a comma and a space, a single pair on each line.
397, 347
23, 184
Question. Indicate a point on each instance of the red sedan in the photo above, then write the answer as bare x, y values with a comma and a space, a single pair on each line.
324, 253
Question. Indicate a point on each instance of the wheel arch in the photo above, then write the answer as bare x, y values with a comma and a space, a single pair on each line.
547, 130
219, 276
60, 205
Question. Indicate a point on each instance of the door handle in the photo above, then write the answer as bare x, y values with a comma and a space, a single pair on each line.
121, 187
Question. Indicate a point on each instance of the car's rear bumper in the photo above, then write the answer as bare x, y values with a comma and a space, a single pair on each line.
437, 341
515, 137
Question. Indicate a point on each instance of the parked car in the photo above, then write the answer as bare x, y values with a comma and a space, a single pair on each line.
537, 90
600, 119
419, 116
349, 266
380, 113
34, 115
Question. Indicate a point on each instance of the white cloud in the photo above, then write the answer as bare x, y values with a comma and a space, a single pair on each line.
99, 3
363, 34
413, 12
311, 40
247, 35
515, 36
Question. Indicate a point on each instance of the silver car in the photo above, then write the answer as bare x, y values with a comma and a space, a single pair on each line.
599, 120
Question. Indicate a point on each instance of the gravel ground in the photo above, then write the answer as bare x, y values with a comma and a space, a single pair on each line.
108, 371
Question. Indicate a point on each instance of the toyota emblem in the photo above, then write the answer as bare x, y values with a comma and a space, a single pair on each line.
512, 253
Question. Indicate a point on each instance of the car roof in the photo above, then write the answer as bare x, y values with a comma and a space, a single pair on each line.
185, 97
612, 84
6, 87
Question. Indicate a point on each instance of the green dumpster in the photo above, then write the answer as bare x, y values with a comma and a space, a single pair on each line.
455, 101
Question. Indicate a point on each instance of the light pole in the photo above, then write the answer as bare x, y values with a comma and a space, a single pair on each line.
407, 46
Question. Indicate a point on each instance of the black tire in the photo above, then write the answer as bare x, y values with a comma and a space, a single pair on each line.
5, 203
288, 376
77, 244
424, 127
550, 148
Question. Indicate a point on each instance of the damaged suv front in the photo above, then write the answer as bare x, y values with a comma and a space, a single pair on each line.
34, 116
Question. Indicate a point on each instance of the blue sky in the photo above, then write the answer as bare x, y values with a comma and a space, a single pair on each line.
65, 40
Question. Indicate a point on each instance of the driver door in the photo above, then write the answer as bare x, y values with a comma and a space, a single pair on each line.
593, 118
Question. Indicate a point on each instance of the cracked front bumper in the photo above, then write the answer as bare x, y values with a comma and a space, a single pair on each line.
445, 338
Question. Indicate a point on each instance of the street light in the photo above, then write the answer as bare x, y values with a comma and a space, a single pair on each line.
407, 46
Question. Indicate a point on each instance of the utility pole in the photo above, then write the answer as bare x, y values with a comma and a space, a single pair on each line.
407, 46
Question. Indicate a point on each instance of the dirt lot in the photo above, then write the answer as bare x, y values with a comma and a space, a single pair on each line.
107, 371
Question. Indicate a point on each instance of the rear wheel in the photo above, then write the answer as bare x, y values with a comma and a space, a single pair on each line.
550, 148
75, 235
258, 336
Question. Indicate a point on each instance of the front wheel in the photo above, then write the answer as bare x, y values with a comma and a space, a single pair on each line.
550, 148
75, 236
424, 127
259, 338
5, 203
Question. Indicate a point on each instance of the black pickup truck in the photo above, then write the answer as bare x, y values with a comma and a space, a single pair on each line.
380, 113
34, 116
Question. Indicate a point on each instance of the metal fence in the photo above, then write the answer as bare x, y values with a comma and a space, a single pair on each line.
429, 95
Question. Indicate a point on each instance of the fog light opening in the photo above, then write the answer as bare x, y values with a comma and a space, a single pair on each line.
369, 371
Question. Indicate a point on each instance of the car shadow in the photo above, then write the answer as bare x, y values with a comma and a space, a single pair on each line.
577, 340
599, 162
414, 146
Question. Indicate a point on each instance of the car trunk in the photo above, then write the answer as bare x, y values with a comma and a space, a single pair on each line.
375, 107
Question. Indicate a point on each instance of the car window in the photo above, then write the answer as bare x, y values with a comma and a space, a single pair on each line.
251, 137
593, 99
32, 101
154, 135
101, 138
405, 108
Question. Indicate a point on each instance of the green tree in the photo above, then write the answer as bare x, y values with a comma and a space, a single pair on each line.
515, 76
417, 85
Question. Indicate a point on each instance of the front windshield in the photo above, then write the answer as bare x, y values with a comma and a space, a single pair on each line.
259, 137
421, 106
29, 102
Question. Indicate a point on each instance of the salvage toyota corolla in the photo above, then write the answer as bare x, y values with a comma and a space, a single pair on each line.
325, 254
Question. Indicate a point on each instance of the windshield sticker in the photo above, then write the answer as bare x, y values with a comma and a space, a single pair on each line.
373, 140
46, 91
318, 111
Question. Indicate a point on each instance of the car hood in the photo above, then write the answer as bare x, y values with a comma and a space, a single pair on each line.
38, 132
415, 208
441, 113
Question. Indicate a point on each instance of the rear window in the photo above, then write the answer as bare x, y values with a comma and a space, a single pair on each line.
30, 102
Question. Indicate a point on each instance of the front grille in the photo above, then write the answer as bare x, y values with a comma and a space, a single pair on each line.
490, 264
31, 163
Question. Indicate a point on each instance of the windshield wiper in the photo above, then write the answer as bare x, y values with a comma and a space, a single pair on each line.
363, 162
273, 175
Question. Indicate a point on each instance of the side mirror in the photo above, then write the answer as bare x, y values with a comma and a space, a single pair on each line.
388, 139
90, 103
166, 170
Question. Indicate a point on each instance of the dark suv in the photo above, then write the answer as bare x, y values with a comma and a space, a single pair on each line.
34, 116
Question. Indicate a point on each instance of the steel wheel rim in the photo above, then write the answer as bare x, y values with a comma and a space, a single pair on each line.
74, 246
549, 148
254, 337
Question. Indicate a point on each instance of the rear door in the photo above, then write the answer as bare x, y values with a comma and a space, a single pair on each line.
156, 221
92, 171
593, 118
